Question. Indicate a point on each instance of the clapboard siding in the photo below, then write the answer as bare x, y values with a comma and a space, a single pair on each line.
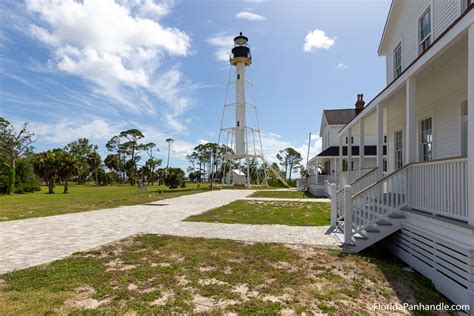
439, 92
403, 27
444, 13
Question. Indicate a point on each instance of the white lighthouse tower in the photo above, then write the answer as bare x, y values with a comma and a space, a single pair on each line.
245, 164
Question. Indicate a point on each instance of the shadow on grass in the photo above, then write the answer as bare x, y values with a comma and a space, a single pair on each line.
410, 286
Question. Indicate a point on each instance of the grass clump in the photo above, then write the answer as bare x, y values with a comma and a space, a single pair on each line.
152, 274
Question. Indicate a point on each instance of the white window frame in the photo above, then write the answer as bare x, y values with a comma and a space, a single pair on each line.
398, 146
422, 157
465, 4
397, 68
428, 37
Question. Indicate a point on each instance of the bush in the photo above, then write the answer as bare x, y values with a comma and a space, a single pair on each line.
174, 178
25, 178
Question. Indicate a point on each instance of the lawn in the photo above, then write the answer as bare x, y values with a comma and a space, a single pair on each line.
283, 194
268, 212
84, 198
162, 274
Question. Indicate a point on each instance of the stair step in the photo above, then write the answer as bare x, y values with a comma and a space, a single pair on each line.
372, 229
359, 236
383, 222
396, 215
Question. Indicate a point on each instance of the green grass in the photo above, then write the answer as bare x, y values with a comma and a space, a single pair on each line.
283, 194
84, 198
268, 212
151, 274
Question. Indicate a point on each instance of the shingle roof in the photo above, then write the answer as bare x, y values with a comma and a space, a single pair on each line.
339, 116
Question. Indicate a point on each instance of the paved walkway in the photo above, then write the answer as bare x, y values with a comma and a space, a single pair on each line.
29, 242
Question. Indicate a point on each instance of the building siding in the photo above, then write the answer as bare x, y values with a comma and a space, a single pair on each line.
404, 28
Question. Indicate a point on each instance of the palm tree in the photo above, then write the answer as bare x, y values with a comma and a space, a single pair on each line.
169, 141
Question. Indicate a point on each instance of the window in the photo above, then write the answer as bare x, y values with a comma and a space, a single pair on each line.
466, 4
238, 76
426, 139
344, 165
425, 31
397, 61
398, 150
347, 140
385, 139
385, 165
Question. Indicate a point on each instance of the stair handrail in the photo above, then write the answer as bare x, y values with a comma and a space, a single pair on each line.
386, 196
360, 178
340, 193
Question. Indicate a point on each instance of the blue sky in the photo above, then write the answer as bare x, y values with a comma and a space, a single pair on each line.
93, 68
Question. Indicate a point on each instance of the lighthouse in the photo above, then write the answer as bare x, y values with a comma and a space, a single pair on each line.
240, 59
244, 162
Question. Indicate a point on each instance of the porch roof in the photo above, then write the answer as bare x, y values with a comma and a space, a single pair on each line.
449, 34
333, 151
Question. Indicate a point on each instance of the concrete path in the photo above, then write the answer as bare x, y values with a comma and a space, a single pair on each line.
289, 199
29, 242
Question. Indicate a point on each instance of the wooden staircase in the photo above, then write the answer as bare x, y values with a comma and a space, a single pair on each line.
373, 213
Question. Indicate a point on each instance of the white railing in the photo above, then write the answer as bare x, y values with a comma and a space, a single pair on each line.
379, 200
440, 187
321, 179
365, 181
357, 185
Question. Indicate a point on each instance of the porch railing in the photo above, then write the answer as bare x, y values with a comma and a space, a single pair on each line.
379, 200
357, 185
440, 187
321, 179
365, 181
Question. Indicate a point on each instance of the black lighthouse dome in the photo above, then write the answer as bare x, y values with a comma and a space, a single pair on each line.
240, 47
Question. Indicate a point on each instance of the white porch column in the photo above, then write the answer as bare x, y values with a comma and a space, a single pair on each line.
340, 162
410, 122
361, 145
379, 141
470, 124
349, 155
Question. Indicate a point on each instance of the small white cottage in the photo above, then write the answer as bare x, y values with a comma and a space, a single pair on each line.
235, 176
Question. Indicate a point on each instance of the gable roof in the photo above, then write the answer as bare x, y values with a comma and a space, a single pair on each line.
339, 116
386, 26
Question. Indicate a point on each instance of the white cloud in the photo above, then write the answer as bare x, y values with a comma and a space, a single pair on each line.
223, 43
342, 66
245, 15
66, 131
120, 47
317, 39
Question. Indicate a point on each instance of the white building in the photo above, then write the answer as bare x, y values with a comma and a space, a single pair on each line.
423, 207
332, 163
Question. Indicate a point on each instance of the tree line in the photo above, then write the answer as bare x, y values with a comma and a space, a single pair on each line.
130, 159
22, 170
208, 162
